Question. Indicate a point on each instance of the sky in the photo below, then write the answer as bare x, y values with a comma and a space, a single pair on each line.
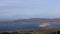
23, 9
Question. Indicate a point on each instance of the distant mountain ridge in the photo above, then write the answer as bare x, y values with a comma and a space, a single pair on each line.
31, 21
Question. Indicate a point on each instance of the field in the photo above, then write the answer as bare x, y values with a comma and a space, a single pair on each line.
42, 31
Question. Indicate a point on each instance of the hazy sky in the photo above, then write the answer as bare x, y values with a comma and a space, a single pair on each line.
16, 9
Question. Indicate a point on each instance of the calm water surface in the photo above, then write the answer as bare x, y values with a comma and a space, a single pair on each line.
14, 27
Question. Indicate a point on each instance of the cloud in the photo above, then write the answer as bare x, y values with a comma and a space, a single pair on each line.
3, 4
24, 3
11, 3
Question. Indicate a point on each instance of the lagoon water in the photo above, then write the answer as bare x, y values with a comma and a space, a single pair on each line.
14, 27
